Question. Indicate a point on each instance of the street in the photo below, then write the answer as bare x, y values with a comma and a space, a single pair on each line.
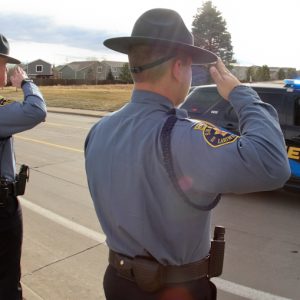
64, 250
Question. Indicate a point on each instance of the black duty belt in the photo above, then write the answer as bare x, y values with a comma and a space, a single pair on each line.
10, 189
150, 275
6, 191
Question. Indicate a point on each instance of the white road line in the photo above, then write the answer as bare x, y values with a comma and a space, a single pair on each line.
31, 292
94, 235
224, 285
244, 291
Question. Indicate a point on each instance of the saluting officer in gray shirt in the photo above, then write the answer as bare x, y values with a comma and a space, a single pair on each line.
157, 221
15, 117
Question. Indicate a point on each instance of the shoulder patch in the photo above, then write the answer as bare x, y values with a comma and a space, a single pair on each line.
215, 137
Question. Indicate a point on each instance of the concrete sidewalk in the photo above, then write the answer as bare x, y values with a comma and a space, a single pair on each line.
80, 112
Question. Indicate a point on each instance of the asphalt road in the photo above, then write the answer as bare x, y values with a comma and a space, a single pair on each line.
64, 251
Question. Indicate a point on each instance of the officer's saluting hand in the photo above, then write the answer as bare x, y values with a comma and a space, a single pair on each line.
18, 76
223, 78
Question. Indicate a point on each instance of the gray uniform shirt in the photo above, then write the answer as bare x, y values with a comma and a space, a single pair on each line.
137, 205
17, 117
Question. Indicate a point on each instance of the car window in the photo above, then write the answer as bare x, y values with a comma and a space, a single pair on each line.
201, 101
276, 100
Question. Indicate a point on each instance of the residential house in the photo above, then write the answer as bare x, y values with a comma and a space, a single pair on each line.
81, 70
38, 69
57, 74
114, 66
89, 70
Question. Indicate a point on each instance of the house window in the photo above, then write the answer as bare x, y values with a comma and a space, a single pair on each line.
39, 68
99, 70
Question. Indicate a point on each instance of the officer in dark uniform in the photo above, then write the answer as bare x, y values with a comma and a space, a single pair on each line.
14, 117
155, 175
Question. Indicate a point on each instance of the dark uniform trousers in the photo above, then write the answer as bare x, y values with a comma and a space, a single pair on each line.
11, 235
118, 288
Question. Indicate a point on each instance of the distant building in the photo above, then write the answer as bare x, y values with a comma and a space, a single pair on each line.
89, 70
38, 69
114, 66
80, 70
288, 71
56, 72
240, 72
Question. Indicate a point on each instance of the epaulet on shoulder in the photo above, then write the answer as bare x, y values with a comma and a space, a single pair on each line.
4, 101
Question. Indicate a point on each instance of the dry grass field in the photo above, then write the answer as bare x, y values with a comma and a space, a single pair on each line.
94, 97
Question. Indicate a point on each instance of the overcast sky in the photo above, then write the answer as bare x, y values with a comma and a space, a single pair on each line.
262, 31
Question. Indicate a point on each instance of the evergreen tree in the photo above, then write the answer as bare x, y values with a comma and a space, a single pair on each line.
110, 76
262, 73
281, 74
291, 73
251, 74
266, 73
210, 32
125, 74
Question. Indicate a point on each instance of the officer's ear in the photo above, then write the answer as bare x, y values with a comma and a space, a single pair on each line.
180, 66
176, 69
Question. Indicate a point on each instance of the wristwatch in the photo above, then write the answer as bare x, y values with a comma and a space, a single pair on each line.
25, 80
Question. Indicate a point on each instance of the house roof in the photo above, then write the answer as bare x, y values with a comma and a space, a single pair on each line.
58, 68
115, 64
38, 60
79, 65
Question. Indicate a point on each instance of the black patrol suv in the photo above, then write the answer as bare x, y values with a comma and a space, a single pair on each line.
205, 103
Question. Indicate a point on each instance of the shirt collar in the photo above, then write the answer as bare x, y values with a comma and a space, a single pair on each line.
151, 98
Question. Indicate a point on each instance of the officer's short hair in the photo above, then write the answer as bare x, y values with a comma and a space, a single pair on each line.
144, 54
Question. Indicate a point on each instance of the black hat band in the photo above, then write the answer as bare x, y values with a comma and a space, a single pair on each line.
140, 69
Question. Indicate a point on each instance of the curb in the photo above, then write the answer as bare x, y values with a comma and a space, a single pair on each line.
79, 112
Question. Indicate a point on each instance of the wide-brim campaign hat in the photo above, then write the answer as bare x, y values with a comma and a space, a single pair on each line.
4, 51
163, 27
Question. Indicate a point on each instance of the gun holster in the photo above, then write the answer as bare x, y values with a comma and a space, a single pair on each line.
21, 179
4, 191
215, 267
149, 275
